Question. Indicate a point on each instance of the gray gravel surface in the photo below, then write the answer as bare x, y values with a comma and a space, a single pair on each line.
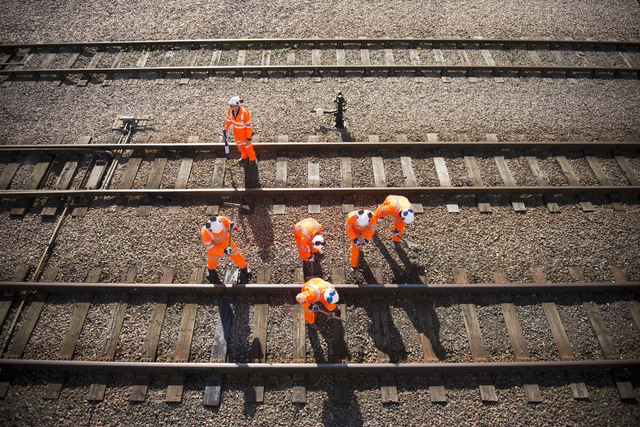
114, 237
126, 20
535, 108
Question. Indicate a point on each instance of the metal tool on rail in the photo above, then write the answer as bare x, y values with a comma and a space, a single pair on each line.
129, 123
127, 127
341, 106
331, 314
408, 243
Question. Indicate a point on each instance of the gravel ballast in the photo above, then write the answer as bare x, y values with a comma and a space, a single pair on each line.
114, 237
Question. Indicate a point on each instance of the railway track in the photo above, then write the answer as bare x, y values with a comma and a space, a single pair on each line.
229, 358
101, 62
168, 176
581, 172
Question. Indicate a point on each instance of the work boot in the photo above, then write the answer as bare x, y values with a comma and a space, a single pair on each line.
397, 245
243, 161
246, 271
352, 270
312, 326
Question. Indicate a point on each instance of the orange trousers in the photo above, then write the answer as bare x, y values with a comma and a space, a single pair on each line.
399, 225
214, 255
355, 251
246, 150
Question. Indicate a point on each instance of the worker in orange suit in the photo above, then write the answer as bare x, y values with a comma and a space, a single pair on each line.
309, 240
314, 291
360, 229
402, 212
217, 241
239, 119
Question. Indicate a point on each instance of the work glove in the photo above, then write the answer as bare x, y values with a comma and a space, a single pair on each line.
248, 139
227, 250
396, 233
233, 226
364, 242
311, 258
380, 220
314, 307
356, 241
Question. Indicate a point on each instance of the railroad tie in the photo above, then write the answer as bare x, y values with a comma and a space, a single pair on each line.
576, 383
476, 343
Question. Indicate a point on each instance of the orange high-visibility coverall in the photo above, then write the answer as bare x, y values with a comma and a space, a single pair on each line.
242, 131
392, 206
354, 231
304, 232
215, 244
312, 292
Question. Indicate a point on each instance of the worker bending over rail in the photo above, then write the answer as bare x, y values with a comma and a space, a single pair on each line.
239, 119
309, 240
314, 291
216, 236
402, 212
360, 229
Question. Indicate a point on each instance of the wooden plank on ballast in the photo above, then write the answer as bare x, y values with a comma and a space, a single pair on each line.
565, 352
150, 345
476, 343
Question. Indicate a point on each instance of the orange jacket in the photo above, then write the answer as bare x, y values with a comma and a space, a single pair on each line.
313, 291
392, 205
354, 231
216, 242
304, 232
241, 124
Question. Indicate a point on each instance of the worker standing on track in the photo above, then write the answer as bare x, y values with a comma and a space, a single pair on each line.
309, 240
239, 119
360, 229
402, 212
314, 291
217, 241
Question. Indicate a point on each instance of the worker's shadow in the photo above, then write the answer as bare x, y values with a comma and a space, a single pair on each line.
364, 268
405, 275
313, 268
262, 236
399, 350
348, 414
316, 346
438, 348
401, 274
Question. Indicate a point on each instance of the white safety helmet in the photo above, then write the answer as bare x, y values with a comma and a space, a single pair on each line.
318, 240
407, 216
214, 224
236, 100
363, 217
331, 296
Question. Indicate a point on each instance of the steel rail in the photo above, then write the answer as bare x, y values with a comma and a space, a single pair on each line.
266, 146
346, 288
315, 368
442, 69
325, 192
437, 41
